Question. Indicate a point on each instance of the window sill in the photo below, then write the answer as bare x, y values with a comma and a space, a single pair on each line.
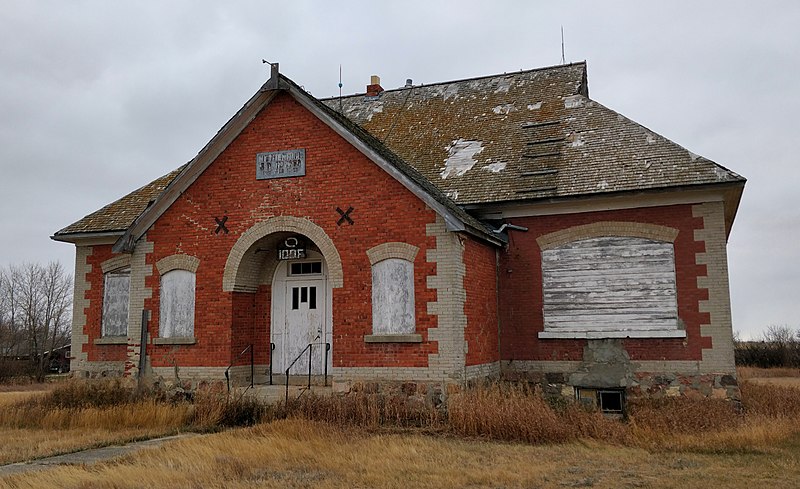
175, 341
393, 338
596, 335
111, 340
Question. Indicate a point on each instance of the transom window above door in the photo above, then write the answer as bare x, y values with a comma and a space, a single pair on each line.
306, 268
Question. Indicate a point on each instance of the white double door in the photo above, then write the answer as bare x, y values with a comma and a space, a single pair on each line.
300, 318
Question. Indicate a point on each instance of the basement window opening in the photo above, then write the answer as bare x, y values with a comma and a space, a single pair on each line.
610, 402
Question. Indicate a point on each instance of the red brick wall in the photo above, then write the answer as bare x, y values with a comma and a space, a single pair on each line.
336, 175
480, 283
94, 313
521, 288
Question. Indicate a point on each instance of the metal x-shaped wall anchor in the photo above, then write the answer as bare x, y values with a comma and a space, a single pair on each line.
345, 216
221, 224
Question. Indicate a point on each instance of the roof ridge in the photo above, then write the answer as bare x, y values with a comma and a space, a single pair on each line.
448, 82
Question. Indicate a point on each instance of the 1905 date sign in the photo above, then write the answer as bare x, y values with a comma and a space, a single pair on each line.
281, 164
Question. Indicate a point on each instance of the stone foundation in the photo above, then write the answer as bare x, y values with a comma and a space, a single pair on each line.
606, 365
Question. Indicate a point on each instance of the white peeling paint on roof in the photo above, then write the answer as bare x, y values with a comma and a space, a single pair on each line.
451, 91
503, 85
578, 141
602, 185
495, 167
375, 110
536, 106
721, 173
453, 194
461, 157
573, 101
504, 109
651, 139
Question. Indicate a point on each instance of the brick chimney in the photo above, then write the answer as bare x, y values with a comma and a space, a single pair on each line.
374, 88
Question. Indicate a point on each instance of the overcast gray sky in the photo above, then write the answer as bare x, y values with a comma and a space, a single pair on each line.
98, 98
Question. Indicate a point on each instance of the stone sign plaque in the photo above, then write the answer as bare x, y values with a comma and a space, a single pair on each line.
281, 164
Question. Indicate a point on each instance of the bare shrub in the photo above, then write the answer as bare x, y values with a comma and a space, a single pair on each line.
779, 346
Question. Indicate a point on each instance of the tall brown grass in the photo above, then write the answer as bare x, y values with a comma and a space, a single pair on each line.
365, 409
518, 413
767, 415
747, 373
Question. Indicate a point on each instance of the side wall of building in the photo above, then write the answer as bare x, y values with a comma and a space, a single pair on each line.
482, 332
701, 362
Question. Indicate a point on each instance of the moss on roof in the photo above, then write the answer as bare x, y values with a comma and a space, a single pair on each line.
526, 135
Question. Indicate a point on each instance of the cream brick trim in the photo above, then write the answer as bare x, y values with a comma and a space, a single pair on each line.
177, 262
568, 367
483, 371
194, 373
79, 305
385, 251
380, 374
450, 361
116, 263
91, 369
239, 278
719, 358
607, 228
393, 338
139, 292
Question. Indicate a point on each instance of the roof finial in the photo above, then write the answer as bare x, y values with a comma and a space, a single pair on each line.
563, 59
272, 83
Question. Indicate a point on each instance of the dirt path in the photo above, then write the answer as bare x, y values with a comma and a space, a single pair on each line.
88, 457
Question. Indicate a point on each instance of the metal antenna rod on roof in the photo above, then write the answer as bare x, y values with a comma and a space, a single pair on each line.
563, 59
340, 89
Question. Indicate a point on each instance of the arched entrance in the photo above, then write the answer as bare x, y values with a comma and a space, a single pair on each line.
301, 315
255, 262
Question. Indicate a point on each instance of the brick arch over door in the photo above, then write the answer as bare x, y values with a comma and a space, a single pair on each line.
238, 275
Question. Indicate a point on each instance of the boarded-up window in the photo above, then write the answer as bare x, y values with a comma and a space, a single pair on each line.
393, 297
616, 285
176, 313
116, 293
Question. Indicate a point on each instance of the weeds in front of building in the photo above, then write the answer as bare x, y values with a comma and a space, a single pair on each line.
767, 415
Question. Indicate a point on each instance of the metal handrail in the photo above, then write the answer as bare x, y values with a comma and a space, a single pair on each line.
252, 367
308, 347
271, 354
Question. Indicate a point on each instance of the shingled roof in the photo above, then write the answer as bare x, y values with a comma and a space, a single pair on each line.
524, 135
521, 136
117, 216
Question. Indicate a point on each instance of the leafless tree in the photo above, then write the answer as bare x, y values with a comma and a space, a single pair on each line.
35, 305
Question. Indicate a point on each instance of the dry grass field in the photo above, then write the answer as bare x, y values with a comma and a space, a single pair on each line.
495, 436
29, 430
301, 453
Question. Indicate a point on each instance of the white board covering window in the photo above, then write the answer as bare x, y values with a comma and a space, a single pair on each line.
393, 297
610, 287
116, 296
176, 313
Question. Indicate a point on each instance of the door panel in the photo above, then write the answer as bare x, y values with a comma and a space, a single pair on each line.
305, 321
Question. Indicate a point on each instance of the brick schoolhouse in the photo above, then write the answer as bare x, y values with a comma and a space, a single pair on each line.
502, 226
